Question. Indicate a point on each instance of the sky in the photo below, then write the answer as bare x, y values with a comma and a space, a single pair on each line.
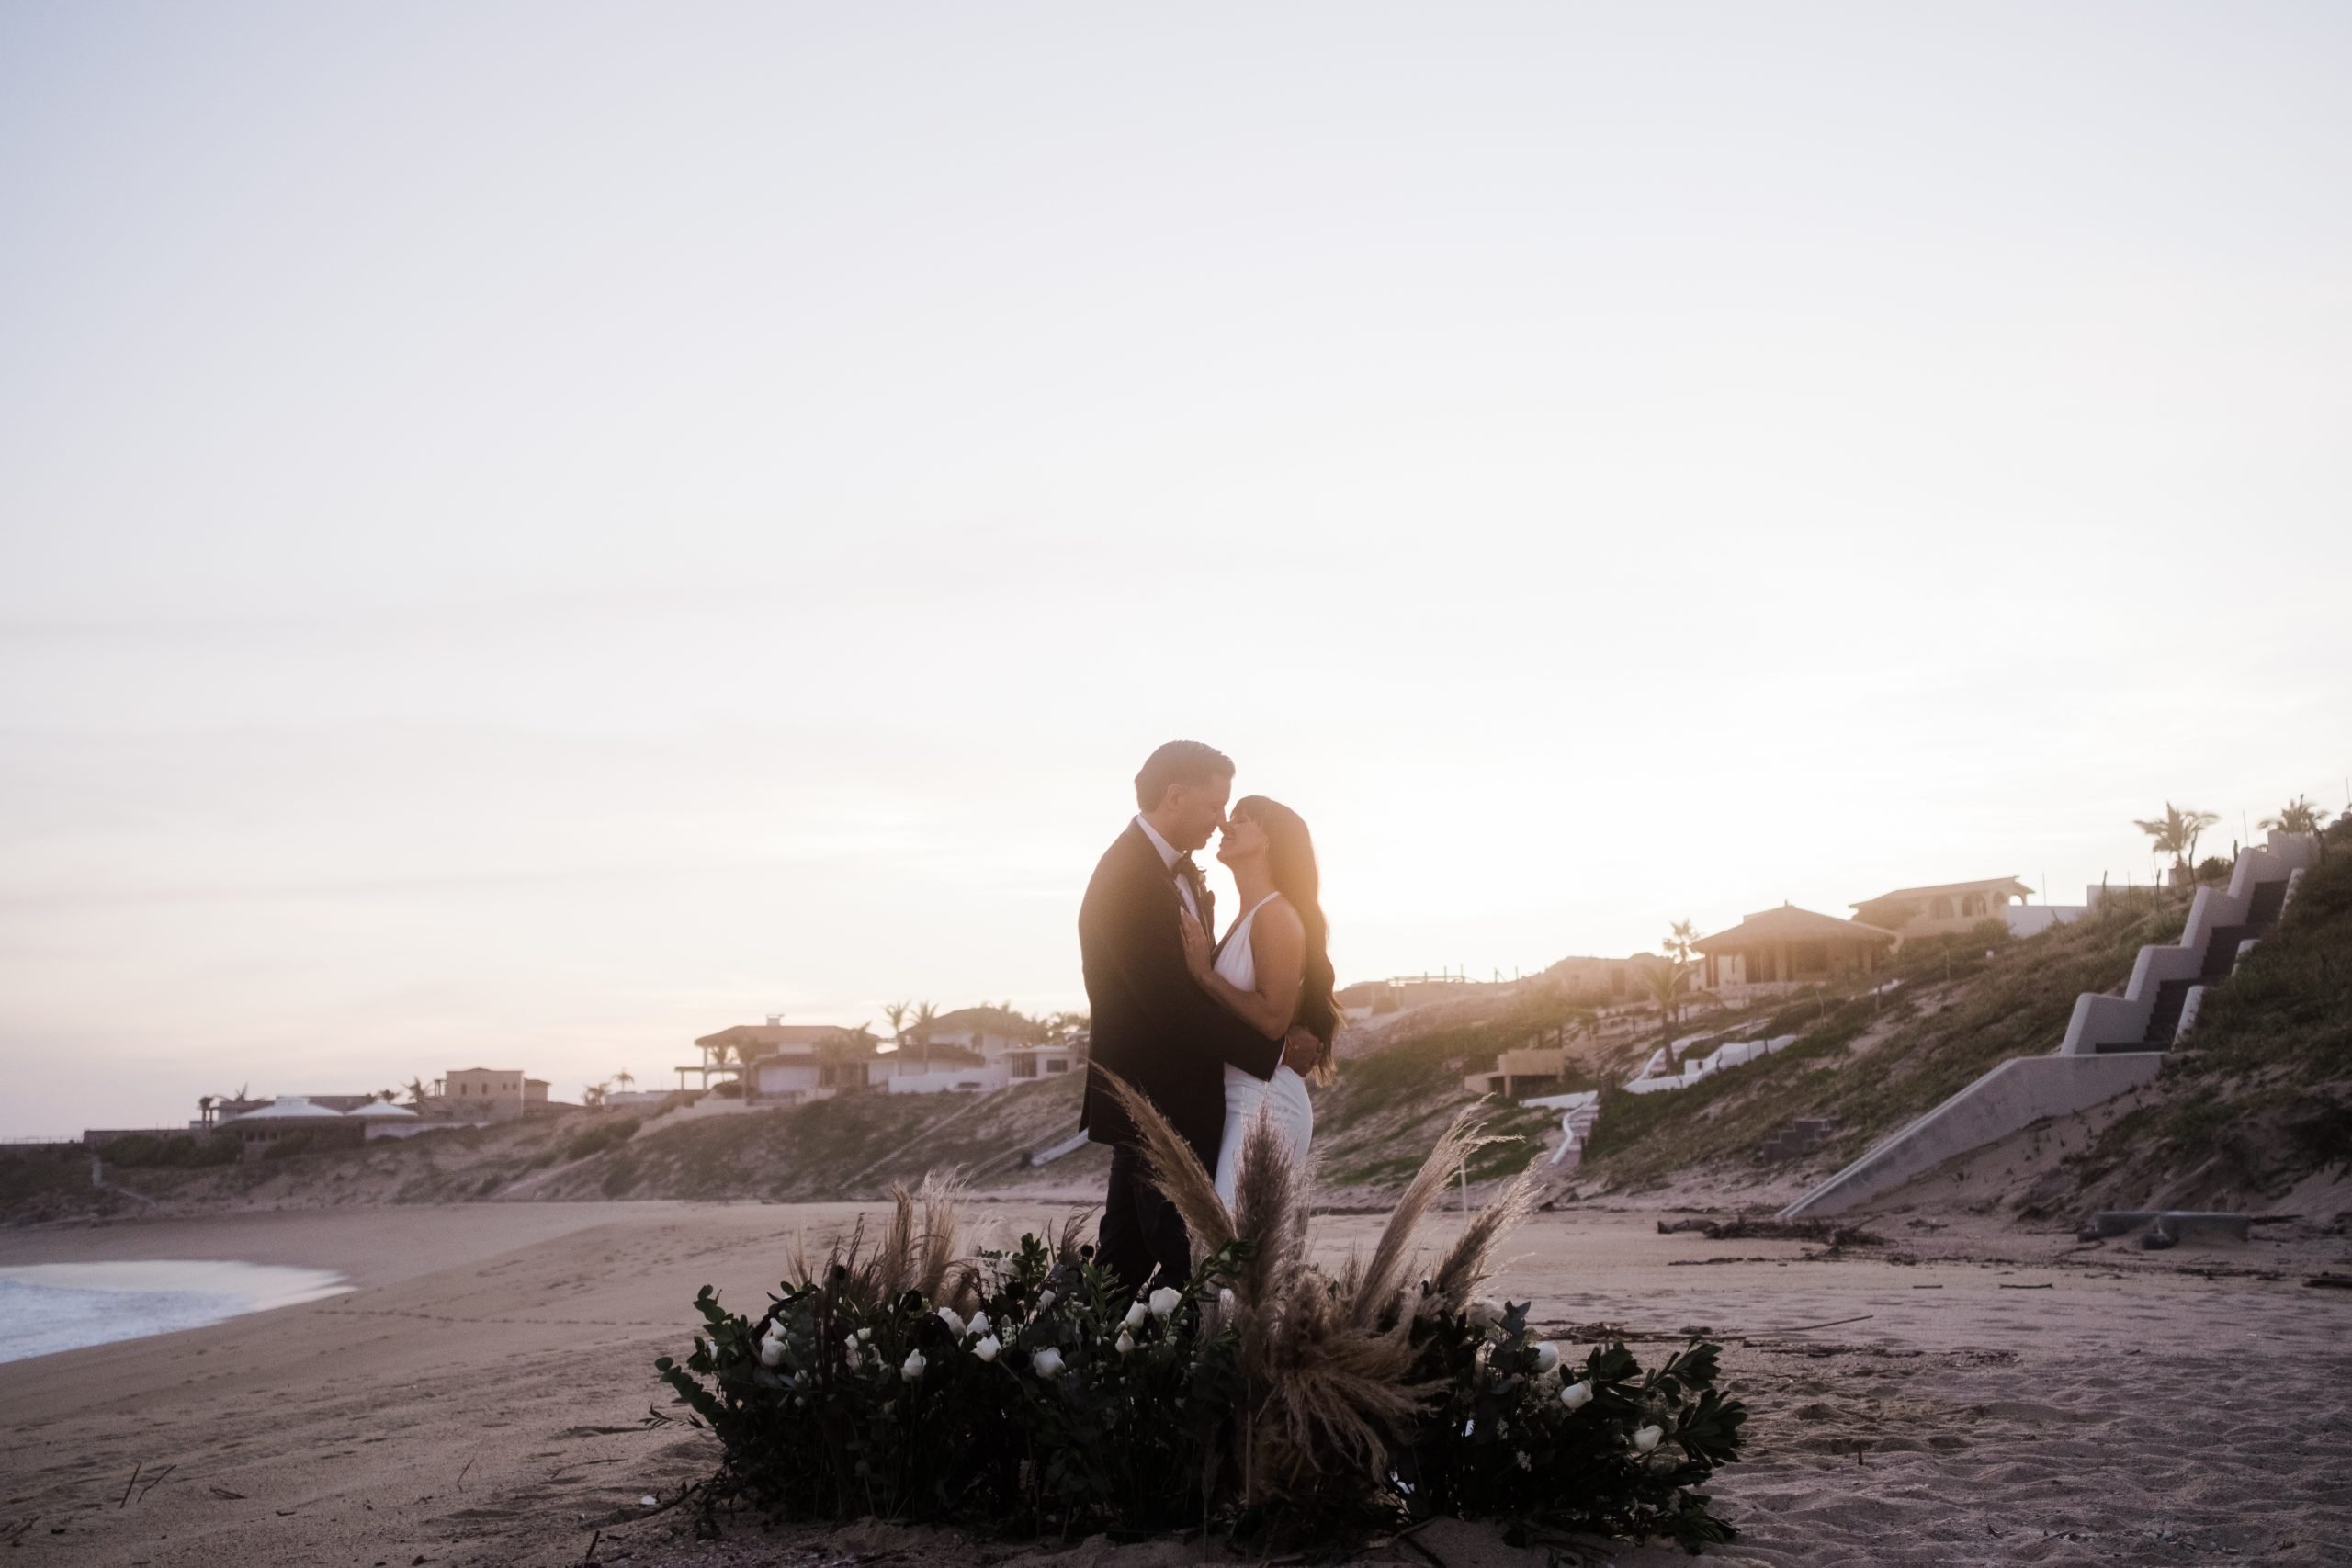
533, 532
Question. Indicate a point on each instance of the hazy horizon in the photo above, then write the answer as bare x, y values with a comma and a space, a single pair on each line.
529, 534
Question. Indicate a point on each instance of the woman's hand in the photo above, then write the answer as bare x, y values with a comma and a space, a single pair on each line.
1197, 957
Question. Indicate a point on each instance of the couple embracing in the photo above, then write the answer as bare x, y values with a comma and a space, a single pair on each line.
1214, 1031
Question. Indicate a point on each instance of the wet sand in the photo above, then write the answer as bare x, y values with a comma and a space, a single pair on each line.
482, 1396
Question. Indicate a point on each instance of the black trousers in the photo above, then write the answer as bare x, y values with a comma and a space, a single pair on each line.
1140, 1229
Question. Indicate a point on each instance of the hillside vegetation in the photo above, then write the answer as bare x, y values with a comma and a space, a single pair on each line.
2258, 1099
2258, 1096
1875, 1062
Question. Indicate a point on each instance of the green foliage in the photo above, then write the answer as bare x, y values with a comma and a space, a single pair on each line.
286, 1148
820, 1418
611, 1134
1934, 1038
179, 1151
1127, 1422
2258, 1094
1501, 1442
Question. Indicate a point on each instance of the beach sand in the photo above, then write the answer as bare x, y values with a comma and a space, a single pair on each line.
480, 1396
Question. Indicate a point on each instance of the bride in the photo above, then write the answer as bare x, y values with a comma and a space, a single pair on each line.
1273, 969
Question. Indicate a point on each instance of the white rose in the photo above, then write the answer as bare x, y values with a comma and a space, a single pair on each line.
1126, 1345
849, 1342
1047, 1363
771, 1353
1044, 1300
1135, 1314
911, 1368
1576, 1395
988, 1347
979, 1323
955, 1324
1547, 1356
1166, 1300
1485, 1314
864, 1335
1525, 1463
1646, 1438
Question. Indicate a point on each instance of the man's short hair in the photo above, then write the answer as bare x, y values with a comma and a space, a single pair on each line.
1179, 762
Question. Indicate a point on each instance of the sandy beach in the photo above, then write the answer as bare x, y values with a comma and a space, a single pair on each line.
480, 1396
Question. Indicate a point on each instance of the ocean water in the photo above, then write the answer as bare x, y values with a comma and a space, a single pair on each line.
49, 1307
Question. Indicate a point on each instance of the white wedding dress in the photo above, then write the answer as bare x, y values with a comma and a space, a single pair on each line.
1283, 1098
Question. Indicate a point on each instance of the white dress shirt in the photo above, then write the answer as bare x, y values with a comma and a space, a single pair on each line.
1169, 857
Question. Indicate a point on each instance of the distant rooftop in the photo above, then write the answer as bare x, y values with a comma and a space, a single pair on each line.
290, 1108
1989, 884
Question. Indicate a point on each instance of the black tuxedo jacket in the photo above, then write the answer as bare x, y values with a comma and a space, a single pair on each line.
1152, 1025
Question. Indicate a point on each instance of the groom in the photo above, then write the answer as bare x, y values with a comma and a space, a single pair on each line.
1152, 1025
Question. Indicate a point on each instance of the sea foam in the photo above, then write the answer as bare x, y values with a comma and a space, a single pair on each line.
49, 1307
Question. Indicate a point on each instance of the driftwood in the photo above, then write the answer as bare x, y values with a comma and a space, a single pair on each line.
1742, 1229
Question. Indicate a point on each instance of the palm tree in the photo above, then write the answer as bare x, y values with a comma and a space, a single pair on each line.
898, 1014
625, 1078
1667, 987
388, 1095
593, 1095
2175, 834
204, 1106
925, 1016
2299, 815
416, 1092
1679, 940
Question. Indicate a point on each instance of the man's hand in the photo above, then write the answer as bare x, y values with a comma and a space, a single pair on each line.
1301, 1051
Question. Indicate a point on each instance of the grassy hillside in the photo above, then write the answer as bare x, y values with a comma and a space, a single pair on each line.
1875, 1063
2259, 1096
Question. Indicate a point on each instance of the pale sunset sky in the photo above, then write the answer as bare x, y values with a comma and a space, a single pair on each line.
531, 533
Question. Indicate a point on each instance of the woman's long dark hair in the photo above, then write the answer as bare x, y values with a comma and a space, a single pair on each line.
1290, 859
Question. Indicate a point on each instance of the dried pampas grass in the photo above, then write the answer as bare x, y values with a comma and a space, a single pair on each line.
1325, 1360
1174, 1169
918, 1251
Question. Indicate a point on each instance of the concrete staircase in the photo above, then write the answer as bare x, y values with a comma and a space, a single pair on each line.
2113, 1044
1802, 1136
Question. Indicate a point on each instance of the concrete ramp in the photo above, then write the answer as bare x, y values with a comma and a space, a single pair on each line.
2019, 1092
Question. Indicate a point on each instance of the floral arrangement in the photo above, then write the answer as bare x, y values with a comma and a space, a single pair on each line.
1025, 1390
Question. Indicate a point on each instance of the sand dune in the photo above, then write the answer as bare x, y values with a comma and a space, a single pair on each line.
480, 1397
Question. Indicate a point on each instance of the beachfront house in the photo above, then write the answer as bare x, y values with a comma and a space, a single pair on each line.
382, 1119
1542, 1068
485, 1094
832, 1061
1031, 1064
1947, 908
948, 1070
320, 1125
727, 1054
1788, 946
989, 1032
